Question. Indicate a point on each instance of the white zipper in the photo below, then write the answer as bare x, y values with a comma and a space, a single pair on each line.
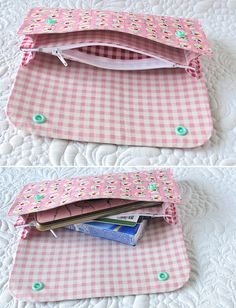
58, 53
54, 51
31, 224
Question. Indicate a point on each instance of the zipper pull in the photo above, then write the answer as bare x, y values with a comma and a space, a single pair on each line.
53, 233
57, 53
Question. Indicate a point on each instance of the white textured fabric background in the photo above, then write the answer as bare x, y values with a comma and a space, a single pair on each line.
219, 22
208, 215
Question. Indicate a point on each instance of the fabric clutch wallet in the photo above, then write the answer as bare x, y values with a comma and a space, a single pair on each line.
112, 77
76, 265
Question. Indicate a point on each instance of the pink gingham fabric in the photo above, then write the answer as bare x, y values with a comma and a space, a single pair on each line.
77, 266
87, 103
126, 186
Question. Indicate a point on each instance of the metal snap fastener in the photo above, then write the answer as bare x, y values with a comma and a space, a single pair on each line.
180, 34
37, 286
152, 187
38, 197
51, 21
39, 118
181, 130
162, 276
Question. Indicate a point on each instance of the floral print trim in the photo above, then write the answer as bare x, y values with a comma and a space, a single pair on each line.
157, 185
162, 29
170, 212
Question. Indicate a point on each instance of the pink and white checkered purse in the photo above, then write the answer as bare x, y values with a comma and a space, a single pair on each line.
112, 77
76, 265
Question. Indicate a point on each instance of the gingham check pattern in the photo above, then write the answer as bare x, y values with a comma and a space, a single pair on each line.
86, 103
79, 266
28, 42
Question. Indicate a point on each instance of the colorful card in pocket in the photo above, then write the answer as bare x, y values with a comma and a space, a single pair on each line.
123, 234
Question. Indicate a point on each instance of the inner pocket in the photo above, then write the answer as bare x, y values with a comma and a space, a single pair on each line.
87, 210
111, 50
79, 208
143, 62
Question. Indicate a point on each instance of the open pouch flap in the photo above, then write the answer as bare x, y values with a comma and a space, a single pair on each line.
58, 199
164, 38
76, 265
110, 50
126, 74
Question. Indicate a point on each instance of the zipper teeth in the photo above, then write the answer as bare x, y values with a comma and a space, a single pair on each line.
53, 50
79, 45
30, 49
58, 53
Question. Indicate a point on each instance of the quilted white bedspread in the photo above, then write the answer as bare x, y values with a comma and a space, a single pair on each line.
208, 214
219, 20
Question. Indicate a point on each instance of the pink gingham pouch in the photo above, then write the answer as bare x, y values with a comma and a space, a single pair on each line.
112, 77
75, 265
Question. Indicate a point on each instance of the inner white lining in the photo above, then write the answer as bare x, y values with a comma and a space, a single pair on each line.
71, 52
114, 64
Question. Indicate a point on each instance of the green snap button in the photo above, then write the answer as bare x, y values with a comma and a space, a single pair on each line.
51, 21
162, 276
39, 118
181, 130
152, 187
180, 34
37, 286
38, 197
